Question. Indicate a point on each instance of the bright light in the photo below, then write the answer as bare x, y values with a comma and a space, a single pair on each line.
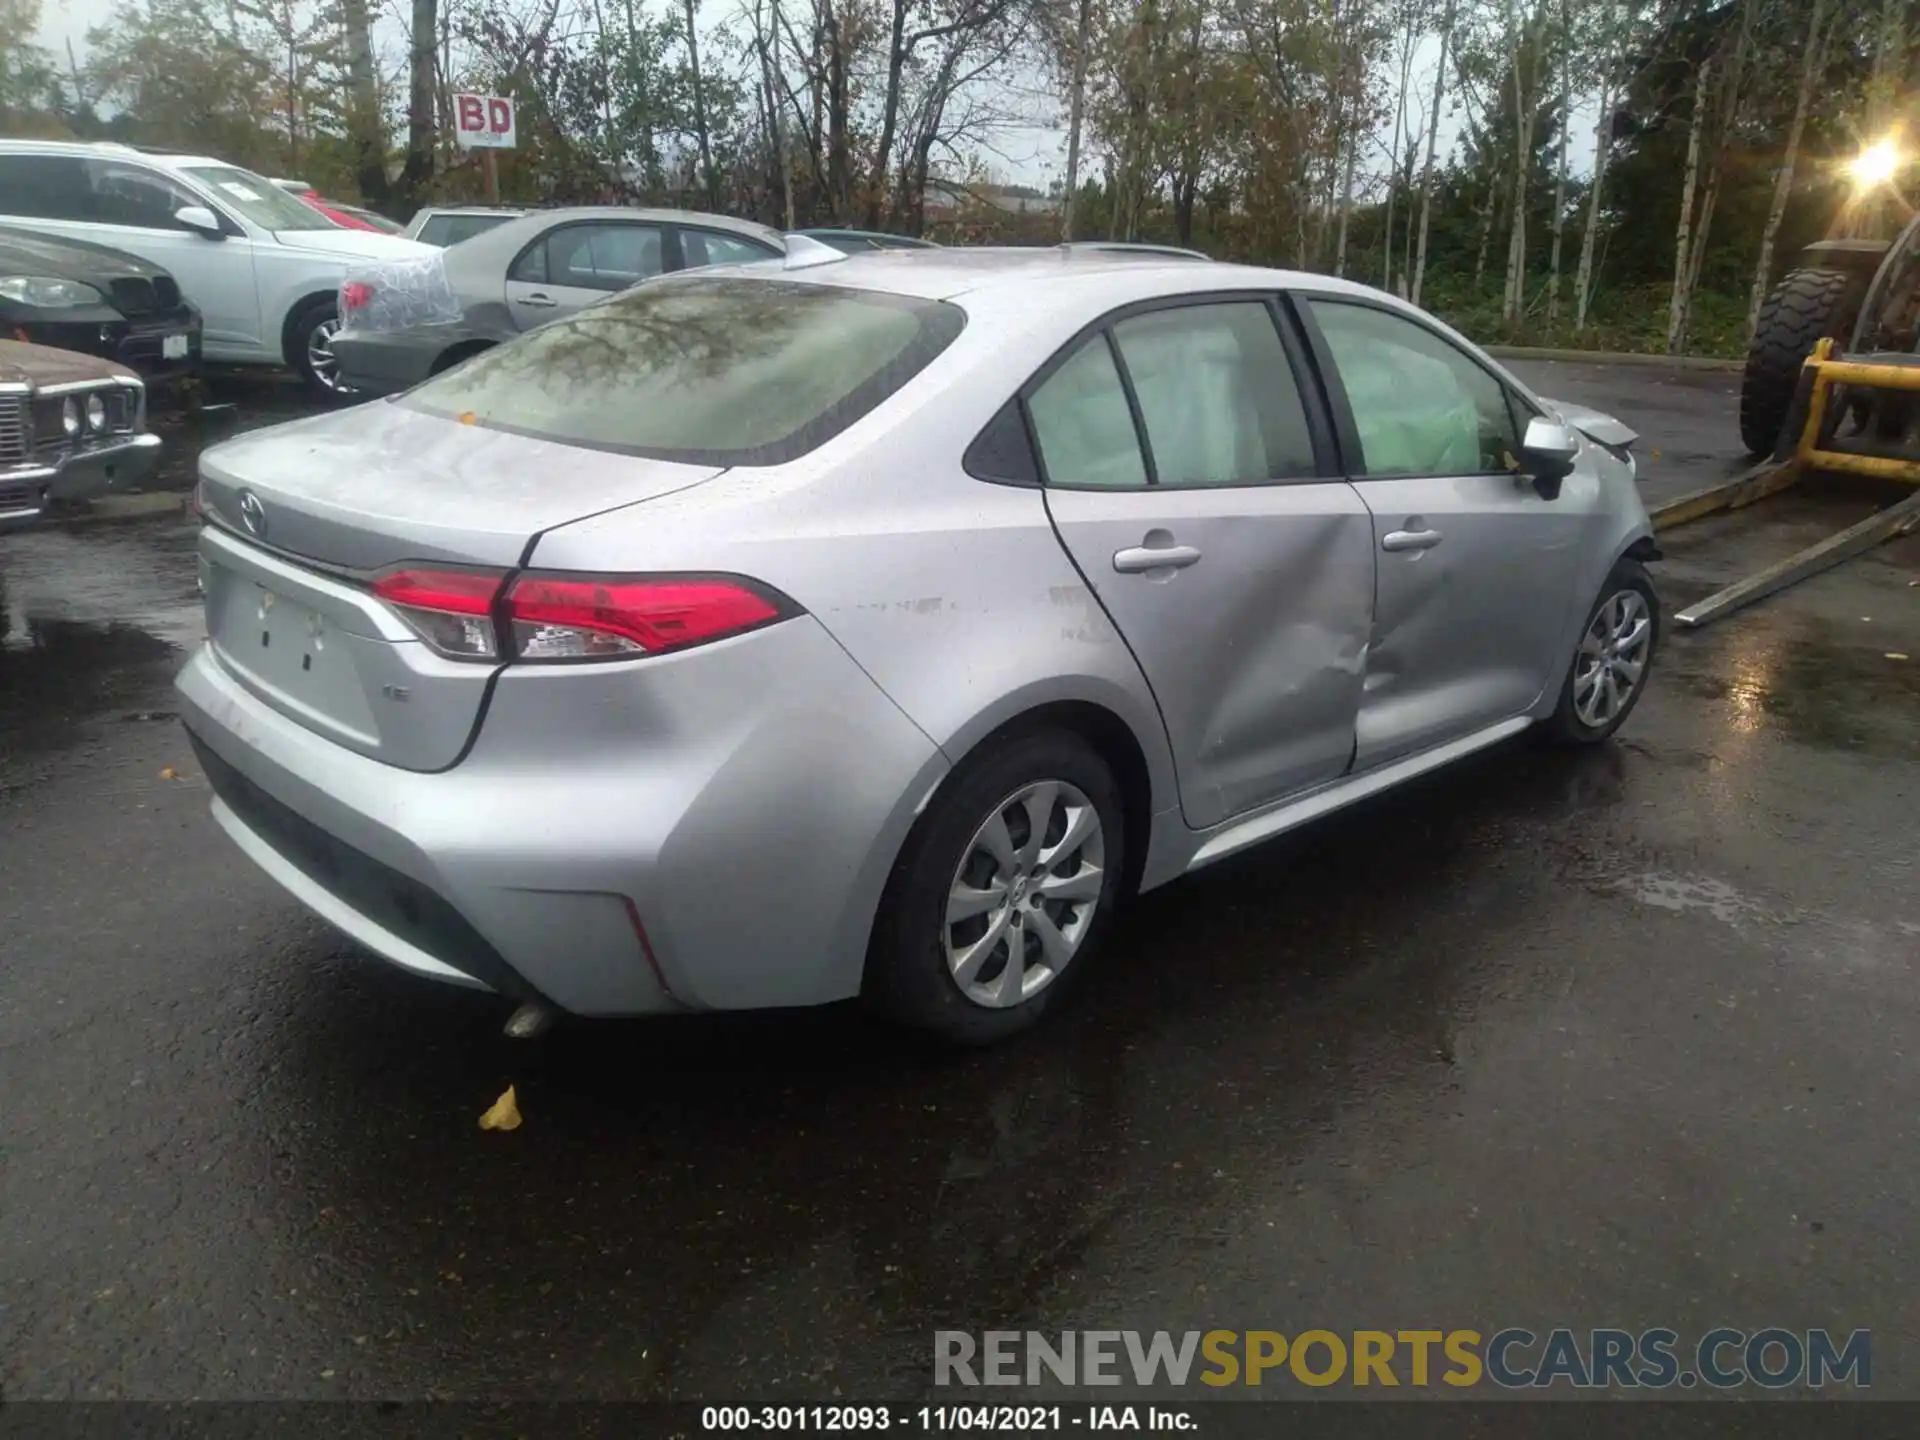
1876, 164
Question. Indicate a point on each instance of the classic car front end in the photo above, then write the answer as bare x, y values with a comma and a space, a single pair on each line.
72, 428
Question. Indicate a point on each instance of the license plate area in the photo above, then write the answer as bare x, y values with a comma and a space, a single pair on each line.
175, 347
293, 656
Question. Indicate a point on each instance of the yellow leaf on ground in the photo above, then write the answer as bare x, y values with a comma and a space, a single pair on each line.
504, 1115
168, 774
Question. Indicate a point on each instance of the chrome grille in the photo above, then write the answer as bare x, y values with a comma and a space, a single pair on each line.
13, 429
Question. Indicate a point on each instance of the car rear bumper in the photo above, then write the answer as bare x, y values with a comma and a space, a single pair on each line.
379, 363
710, 830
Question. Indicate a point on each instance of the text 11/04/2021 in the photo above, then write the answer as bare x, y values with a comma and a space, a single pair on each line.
941, 1419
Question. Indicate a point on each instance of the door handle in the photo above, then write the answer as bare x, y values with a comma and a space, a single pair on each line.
1139, 559
1410, 539
537, 301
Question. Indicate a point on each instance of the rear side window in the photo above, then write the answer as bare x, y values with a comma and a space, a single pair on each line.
452, 229
45, 187
1084, 426
710, 370
1217, 395
707, 247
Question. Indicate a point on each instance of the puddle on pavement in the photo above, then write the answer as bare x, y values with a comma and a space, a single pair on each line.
1808, 682
92, 626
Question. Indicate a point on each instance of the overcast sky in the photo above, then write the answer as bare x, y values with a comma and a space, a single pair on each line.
1026, 156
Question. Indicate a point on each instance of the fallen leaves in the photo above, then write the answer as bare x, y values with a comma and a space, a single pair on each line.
503, 1114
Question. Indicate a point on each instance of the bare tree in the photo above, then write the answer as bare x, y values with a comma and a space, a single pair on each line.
1683, 232
703, 133
1076, 116
1433, 133
1813, 64
1560, 170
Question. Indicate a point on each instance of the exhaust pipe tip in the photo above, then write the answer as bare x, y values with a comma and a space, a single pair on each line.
530, 1021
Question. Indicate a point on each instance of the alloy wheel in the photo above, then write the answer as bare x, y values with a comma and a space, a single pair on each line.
321, 360
1613, 658
1024, 894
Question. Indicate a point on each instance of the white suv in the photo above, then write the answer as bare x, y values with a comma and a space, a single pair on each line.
263, 267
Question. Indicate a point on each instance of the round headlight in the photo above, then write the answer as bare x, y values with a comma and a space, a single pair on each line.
96, 412
70, 416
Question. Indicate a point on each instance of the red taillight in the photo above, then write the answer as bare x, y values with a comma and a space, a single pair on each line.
567, 617
575, 617
452, 610
354, 294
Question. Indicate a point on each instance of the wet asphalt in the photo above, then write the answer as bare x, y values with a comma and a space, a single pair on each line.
1625, 1038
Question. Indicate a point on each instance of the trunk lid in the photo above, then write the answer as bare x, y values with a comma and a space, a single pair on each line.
369, 487
329, 501
354, 244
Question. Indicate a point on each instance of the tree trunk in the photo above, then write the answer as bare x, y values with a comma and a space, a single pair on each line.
1602, 153
889, 114
1488, 213
1433, 136
701, 133
1514, 291
839, 176
364, 123
1393, 157
1346, 206
1725, 122
1683, 232
1186, 187
1560, 174
1076, 118
1812, 66
420, 98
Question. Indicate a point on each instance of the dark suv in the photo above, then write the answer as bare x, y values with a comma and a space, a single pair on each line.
74, 295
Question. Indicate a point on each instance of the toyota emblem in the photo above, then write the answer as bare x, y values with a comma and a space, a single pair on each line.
253, 514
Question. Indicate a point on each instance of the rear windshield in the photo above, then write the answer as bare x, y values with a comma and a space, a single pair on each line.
713, 370
452, 229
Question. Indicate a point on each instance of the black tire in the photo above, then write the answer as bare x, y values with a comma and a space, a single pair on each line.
1805, 306
1567, 726
908, 979
307, 321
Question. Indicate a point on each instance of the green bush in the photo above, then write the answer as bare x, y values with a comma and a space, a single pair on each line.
1629, 319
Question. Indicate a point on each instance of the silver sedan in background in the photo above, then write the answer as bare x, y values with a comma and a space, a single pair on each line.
532, 268
874, 626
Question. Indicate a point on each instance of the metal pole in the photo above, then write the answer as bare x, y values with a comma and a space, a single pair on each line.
1854, 540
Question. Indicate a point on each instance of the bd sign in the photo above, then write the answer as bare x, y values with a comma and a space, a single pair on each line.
483, 122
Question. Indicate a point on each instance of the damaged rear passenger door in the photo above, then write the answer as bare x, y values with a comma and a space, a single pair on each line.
1197, 493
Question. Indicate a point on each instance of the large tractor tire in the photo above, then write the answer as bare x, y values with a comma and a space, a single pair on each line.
1806, 305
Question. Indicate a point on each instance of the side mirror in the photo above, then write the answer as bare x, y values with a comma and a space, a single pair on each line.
201, 221
1548, 452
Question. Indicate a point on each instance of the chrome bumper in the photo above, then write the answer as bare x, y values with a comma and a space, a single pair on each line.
27, 490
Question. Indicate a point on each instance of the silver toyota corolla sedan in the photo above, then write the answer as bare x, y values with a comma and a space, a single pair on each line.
772, 635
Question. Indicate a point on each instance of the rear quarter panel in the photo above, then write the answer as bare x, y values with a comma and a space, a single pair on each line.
952, 593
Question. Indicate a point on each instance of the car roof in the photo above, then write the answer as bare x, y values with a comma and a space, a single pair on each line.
505, 240
475, 210
164, 159
1035, 272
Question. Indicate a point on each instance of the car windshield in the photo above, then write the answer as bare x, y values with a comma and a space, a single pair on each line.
261, 201
715, 370
452, 229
